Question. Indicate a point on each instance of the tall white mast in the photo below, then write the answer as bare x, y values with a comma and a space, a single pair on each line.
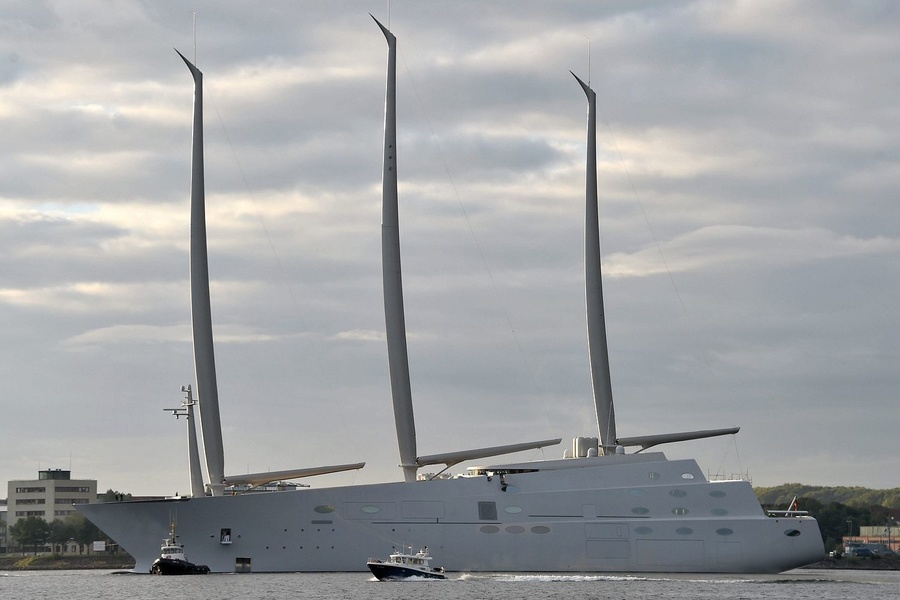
193, 449
395, 322
187, 411
596, 320
201, 315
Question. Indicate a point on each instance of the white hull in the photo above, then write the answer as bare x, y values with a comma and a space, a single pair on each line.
598, 514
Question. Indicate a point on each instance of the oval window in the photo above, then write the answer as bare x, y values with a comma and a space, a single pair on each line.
652, 475
640, 510
489, 529
792, 533
324, 509
724, 531
637, 493
684, 531
515, 529
717, 494
514, 510
643, 530
687, 475
719, 512
370, 510
540, 529
678, 493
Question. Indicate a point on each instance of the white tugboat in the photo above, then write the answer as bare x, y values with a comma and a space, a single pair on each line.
172, 560
402, 565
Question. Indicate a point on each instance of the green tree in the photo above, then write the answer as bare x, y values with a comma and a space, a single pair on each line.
60, 533
31, 531
85, 532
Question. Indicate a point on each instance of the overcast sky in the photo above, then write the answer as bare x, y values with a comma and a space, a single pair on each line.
749, 174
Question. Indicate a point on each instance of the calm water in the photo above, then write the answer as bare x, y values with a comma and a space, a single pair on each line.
795, 585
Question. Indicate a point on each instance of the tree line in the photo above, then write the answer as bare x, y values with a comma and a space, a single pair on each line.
35, 532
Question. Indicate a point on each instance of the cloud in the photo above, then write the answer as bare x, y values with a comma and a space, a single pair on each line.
731, 246
748, 175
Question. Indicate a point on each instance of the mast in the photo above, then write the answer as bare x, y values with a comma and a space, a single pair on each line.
201, 315
395, 322
596, 321
193, 449
186, 410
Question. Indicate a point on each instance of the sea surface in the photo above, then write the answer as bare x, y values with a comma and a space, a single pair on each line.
793, 585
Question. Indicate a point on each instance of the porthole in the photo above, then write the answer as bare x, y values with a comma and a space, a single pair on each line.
515, 529
514, 510
687, 475
489, 529
719, 512
717, 494
637, 493
640, 510
724, 531
643, 530
678, 493
653, 475
684, 531
370, 510
540, 529
324, 509
792, 533
680, 511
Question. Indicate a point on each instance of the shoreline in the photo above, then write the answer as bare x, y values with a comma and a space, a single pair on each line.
56, 562
878, 563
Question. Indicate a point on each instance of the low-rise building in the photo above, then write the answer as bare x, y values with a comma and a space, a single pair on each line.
53, 495
3, 543
877, 539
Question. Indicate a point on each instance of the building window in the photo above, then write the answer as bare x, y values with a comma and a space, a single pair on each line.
30, 501
79, 490
72, 501
29, 513
31, 490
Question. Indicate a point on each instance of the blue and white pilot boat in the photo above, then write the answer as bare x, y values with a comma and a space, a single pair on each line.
402, 565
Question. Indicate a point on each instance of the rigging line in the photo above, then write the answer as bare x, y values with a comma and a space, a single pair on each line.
643, 211
316, 353
474, 236
712, 372
737, 454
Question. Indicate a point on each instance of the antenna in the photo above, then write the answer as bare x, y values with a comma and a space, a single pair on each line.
194, 14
